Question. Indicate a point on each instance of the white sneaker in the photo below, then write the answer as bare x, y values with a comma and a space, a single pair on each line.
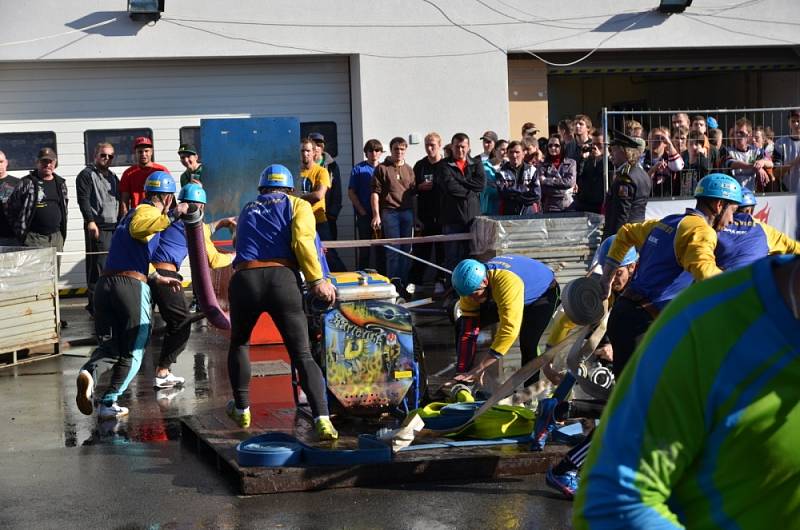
169, 381
411, 288
107, 412
85, 389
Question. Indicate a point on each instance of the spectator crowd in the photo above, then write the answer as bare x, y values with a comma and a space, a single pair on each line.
441, 193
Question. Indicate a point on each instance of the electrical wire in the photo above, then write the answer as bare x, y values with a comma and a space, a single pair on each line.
523, 21
593, 50
28, 41
462, 28
324, 51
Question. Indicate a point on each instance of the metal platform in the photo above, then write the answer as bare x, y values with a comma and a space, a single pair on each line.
214, 437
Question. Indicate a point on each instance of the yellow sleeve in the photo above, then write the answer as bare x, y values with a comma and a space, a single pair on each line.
630, 235
695, 242
147, 220
216, 259
304, 232
778, 242
469, 308
561, 328
508, 292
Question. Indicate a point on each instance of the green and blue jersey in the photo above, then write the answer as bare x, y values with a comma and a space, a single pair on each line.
702, 428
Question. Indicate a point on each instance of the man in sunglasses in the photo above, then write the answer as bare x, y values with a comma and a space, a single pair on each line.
97, 188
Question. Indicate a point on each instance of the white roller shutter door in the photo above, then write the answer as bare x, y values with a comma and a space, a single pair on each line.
165, 95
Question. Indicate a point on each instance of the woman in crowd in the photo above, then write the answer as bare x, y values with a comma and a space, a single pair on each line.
557, 176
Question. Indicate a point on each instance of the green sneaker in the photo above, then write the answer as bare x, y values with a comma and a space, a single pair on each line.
325, 430
242, 419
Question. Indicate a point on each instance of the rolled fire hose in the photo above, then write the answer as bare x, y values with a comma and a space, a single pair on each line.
202, 285
577, 356
583, 302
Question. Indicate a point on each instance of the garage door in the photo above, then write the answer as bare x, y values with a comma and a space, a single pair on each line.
165, 96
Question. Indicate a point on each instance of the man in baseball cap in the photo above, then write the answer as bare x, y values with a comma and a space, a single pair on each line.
191, 161
131, 185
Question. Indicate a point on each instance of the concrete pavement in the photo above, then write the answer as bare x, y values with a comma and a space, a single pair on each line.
60, 469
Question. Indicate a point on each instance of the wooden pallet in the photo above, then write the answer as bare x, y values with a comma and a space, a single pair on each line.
214, 437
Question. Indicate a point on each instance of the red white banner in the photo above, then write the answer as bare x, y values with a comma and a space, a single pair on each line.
776, 210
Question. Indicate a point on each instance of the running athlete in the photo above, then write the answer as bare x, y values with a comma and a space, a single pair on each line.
673, 252
172, 249
701, 431
122, 296
275, 239
747, 239
519, 292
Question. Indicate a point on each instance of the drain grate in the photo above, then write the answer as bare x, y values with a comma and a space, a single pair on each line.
268, 368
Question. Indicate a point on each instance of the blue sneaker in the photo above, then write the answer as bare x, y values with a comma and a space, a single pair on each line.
545, 423
566, 484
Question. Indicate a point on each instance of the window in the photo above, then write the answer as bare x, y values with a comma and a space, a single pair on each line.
22, 148
328, 130
191, 135
121, 139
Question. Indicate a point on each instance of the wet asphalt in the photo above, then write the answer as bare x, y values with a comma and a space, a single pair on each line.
60, 469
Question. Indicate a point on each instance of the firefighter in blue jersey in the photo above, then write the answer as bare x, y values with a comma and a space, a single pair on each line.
122, 296
747, 239
275, 240
172, 249
519, 292
673, 252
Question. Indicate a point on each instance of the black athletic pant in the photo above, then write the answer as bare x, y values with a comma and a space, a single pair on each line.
627, 324
95, 263
122, 327
275, 290
174, 310
535, 318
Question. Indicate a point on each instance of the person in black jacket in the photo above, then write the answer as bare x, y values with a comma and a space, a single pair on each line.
590, 176
37, 208
460, 179
630, 189
97, 189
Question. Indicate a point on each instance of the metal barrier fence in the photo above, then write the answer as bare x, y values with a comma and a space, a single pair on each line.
768, 140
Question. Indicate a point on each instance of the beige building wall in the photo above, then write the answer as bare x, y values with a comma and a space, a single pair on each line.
527, 95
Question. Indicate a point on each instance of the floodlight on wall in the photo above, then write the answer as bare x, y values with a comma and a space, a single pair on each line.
146, 10
674, 6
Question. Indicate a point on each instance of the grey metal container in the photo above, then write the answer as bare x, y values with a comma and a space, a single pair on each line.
565, 242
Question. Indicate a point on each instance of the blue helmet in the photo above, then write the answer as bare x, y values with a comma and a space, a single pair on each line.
276, 176
712, 123
192, 193
160, 182
719, 186
602, 251
748, 198
468, 276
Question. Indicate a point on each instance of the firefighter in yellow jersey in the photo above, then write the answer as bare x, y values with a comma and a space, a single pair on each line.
518, 292
122, 299
275, 241
673, 252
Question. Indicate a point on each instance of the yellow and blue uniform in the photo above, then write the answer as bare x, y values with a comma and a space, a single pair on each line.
172, 250
136, 238
278, 226
123, 299
275, 236
673, 252
523, 294
747, 240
